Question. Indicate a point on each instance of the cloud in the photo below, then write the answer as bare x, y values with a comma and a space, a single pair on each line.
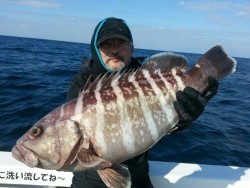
191, 40
211, 6
244, 15
237, 9
207, 6
220, 20
33, 3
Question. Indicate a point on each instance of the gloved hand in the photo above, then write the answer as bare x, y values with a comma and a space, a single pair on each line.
190, 103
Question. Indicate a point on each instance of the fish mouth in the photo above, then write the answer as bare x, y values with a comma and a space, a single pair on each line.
24, 155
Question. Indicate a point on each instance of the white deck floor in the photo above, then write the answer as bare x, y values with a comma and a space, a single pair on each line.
163, 175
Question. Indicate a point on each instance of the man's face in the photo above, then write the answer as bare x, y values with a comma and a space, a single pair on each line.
116, 53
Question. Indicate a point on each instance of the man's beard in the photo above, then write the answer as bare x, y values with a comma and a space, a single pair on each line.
116, 67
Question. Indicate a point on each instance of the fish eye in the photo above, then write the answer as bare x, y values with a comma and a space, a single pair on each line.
35, 132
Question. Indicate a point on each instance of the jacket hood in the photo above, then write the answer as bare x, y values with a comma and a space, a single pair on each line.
107, 28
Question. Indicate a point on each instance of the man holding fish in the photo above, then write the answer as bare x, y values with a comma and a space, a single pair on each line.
111, 49
118, 108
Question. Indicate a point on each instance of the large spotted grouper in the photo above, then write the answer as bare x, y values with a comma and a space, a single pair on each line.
118, 116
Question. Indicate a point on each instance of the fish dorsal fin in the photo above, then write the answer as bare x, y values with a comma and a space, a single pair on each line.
91, 86
117, 176
90, 160
165, 61
101, 81
88, 83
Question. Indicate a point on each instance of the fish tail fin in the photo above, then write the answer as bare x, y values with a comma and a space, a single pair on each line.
215, 63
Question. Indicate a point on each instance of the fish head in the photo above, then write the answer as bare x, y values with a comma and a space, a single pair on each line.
49, 144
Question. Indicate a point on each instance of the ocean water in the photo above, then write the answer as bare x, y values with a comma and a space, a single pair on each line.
35, 75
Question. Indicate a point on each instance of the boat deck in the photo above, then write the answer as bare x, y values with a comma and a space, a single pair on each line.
163, 174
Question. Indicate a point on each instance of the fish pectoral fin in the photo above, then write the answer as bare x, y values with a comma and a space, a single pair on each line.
90, 160
116, 176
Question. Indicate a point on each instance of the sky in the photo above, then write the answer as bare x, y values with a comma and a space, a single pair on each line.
191, 26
